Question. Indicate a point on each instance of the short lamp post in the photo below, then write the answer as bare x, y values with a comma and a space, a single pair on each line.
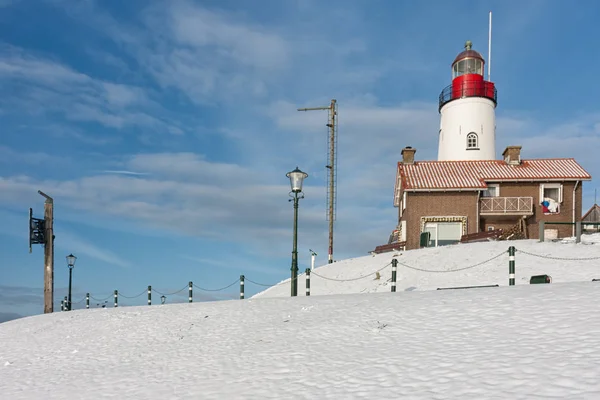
71, 264
296, 178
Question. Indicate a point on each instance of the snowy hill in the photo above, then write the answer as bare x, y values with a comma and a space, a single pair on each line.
527, 341
453, 266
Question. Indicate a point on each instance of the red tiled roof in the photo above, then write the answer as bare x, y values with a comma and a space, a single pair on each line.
473, 175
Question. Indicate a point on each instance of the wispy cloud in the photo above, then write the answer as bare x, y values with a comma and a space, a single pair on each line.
71, 242
124, 172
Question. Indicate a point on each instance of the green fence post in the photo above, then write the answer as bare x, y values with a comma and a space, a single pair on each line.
87, 300
66, 304
62, 306
394, 268
307, 272
511, 265
242, 277
116, 298
149, 295
190, 295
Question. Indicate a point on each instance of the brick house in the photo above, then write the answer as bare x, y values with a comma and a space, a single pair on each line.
449, 199
467, 190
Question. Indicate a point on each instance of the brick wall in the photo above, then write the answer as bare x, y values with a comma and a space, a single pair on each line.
442, 204
533, 190
464, 204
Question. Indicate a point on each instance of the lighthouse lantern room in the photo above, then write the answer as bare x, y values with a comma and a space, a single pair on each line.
467, 111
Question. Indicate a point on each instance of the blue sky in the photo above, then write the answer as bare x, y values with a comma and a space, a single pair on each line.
164, 129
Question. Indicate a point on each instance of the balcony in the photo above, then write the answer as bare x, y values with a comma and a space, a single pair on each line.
460, 90
506, 206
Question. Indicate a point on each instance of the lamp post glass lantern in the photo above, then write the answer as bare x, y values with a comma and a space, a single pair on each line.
296, 179
71, 264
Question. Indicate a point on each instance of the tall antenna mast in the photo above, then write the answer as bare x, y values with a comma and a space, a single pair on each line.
332, 167
490, 49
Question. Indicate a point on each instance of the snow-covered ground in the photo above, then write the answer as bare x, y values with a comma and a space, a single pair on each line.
454, 266
521, 342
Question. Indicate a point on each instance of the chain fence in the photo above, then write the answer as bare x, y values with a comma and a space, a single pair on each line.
310, 273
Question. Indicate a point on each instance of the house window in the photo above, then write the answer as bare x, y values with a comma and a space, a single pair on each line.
551, 196
443, 233
490, 228
493, 190
472, 141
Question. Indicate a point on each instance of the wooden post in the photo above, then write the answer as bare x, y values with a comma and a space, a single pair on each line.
48, 253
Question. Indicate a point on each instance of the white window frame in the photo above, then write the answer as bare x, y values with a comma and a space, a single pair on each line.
558, 186
436, 231
492, 185
471, 135
490, 228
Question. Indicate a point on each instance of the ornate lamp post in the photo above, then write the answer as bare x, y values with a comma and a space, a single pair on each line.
71, 264
296, 178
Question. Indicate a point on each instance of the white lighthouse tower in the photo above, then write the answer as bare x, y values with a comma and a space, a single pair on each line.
467, 108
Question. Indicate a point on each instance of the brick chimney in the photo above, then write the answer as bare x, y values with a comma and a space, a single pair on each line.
408, 155
512, 155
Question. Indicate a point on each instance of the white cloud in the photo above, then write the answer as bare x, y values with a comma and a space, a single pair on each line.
43, 86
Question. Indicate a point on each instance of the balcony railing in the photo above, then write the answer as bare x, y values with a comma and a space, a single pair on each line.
506, 206
468, 89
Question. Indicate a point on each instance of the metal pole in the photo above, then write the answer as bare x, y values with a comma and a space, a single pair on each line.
511, 265
116, 298
70, 281
394, 268
242, 278
87, 300
307, 281
149, 295
295, 249
332, 183
190, 296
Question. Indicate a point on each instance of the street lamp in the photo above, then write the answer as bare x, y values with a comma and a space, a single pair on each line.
71, 264
296, 178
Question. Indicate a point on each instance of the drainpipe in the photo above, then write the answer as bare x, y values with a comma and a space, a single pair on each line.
477, 211
574, 207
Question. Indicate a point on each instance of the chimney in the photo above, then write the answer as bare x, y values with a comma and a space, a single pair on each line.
512, 155
408, 155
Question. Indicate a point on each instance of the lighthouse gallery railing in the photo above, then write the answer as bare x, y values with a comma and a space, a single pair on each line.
468, 89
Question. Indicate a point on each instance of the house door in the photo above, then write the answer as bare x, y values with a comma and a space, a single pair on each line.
443, 233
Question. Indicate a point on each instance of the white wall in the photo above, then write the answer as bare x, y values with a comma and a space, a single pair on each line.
459, 118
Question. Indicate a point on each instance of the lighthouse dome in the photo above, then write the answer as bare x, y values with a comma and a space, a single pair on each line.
468, 62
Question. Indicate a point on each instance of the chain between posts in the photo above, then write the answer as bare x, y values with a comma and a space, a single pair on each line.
218, 290
558, 258
352, 279
132, 297
170, 294
453, 270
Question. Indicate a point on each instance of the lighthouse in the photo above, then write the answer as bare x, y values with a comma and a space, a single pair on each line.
468, 111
